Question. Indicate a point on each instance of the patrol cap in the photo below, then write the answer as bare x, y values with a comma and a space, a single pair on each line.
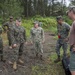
18, 19
11, 17
36, 22
71, 8
59, 17
40, 24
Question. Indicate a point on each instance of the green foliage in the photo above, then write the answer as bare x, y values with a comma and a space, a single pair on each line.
67, 20
10, 7
48, 23
28, 25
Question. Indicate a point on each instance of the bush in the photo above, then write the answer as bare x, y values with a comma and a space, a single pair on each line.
67, 20
47, 23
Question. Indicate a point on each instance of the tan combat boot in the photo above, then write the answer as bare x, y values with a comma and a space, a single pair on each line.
15, 65
41, 57
10, 47
21, 61
11, 63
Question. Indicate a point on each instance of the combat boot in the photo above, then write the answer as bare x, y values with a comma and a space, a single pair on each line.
11, 63
57, 60
10, 47
21, 61
15, 66
41, 57
36, 56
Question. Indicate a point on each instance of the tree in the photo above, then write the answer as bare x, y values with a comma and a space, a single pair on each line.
72, 2
10, 7
28, 8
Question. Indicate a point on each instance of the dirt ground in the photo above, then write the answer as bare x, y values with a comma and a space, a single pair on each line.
31, 65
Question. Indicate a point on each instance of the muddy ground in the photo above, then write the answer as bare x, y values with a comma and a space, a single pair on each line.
31, 65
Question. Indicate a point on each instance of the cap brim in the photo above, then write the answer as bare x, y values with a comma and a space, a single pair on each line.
11, 17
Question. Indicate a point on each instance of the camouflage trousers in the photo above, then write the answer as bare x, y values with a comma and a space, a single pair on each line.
61, 43
9, 37
17, 52
1, 47
38, 48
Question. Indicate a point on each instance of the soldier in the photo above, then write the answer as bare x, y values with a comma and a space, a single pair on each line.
1, 46
9, 26
63, 31
37, 37
18, 40
40, 24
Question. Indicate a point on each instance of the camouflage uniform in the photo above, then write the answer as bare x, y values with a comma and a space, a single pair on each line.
40, 24
1, 45
63, 31
19, 38
37, 36
9, 26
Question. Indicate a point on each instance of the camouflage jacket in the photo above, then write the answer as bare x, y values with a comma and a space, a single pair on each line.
18, 35
9, 25
63, 30
37, 34
0, 32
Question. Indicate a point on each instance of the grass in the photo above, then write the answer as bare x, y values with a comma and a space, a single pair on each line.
49, 68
